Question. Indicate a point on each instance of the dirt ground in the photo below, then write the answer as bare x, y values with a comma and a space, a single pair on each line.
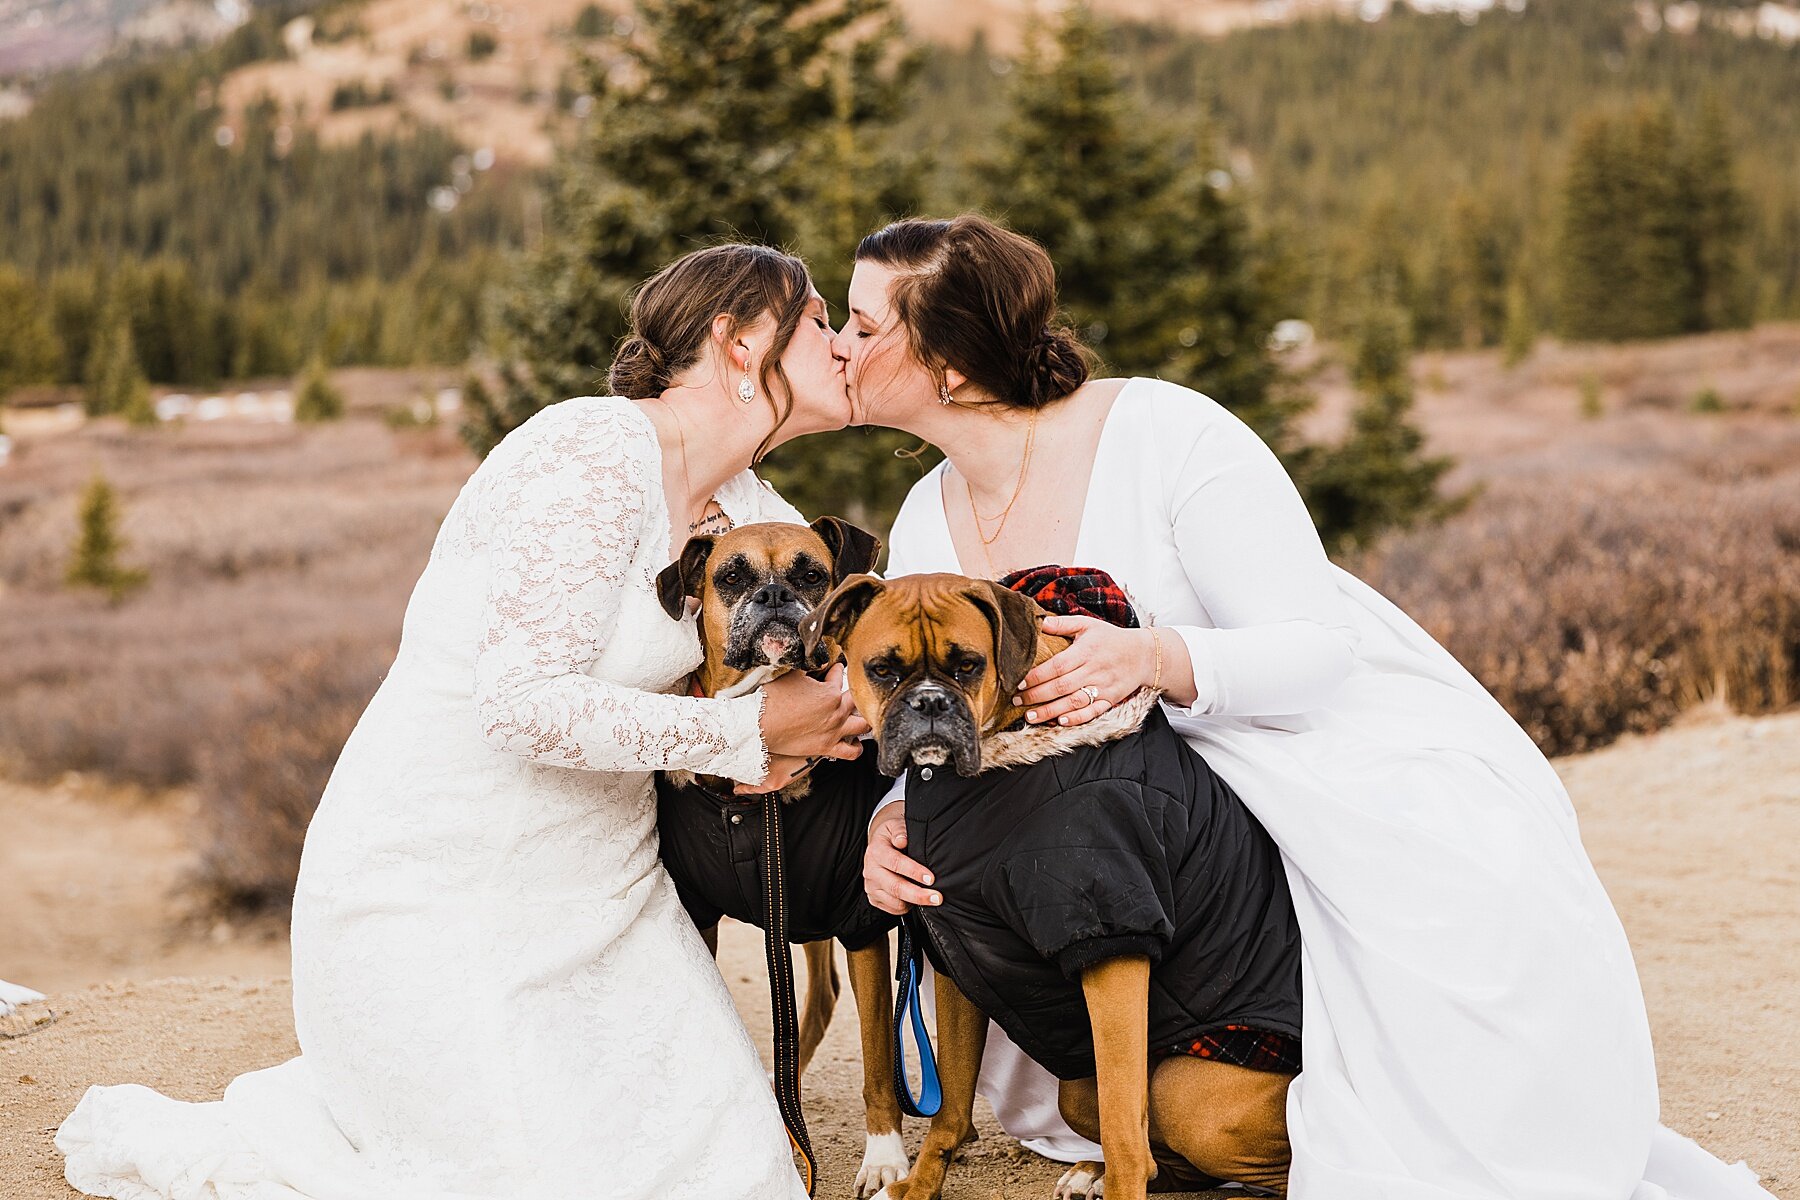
1696, 832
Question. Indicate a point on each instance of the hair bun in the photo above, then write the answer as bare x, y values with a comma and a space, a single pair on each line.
1053, 366
638, 370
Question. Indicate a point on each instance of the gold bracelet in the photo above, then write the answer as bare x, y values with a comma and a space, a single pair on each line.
1156, 683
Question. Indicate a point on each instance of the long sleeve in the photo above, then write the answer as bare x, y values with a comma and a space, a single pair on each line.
1282, 641
564, 517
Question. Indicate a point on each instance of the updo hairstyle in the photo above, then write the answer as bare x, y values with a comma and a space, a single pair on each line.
981, 299
672, 314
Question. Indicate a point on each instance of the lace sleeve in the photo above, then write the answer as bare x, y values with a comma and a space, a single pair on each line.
564, 517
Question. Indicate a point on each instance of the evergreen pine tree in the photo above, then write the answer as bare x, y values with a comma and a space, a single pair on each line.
29, 351
1521, 325
1155, 262
1596, 275
1653, 229
713, 133
316, 400
1476, 270
1717, 222
95, 562
1664, 302
1377, 478
139, 410
74, 303
115, 382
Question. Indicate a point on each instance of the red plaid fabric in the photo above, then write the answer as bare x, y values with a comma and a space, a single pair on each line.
1075, 592
1243, 1046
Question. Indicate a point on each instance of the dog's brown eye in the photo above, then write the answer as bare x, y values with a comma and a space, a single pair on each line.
881, 671
731, 579
815, 577
969, 667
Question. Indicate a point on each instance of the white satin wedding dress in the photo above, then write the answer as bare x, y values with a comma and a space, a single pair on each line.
496, 992
1474, 1027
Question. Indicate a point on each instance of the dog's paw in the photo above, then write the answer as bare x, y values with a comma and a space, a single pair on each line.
1083, 1181
884, 1163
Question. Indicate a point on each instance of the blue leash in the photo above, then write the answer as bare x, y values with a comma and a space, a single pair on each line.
931, 1094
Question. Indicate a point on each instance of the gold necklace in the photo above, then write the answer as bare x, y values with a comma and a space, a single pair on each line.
1019, 487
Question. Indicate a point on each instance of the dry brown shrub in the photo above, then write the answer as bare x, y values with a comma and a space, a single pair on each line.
261, 777
1609, 608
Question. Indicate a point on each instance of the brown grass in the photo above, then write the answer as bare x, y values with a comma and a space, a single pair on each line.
258, 540
261, 778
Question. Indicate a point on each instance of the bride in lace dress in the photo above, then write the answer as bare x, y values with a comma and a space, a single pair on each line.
496, 991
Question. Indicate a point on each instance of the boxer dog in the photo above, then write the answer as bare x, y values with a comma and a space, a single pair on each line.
1023, 849
754, 585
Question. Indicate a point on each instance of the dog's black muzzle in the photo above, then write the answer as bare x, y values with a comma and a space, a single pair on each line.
929, 724
765, 629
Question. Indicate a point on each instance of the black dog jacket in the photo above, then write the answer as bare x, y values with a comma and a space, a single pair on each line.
712, 847
1131, 846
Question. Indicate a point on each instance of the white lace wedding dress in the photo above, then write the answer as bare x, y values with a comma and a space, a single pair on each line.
496, 991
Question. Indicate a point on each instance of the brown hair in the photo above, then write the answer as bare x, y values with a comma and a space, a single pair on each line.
978, 297
672, 314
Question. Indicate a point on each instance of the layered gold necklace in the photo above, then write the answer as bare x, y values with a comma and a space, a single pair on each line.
1018, 489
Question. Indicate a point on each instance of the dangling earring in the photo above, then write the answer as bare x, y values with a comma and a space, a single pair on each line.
746, 390
944, 393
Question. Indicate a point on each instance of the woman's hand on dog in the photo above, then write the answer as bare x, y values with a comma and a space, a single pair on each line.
1115, 662
892, 880
805, 718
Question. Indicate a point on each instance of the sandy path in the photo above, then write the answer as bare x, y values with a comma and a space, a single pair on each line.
1696, 832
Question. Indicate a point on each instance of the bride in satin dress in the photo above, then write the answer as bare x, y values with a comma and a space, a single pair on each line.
496, 991
1474, 1027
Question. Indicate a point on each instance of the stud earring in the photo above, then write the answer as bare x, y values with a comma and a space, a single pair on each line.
943, 393
746, 391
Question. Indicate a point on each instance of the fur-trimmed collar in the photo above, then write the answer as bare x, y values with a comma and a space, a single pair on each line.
1037, 742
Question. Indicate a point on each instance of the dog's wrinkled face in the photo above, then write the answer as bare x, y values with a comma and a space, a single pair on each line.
933, 661
756, 583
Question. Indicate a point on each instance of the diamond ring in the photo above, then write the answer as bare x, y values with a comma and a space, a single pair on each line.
1093, 693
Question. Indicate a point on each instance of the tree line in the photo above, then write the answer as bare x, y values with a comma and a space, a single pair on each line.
231, 244
1417, 154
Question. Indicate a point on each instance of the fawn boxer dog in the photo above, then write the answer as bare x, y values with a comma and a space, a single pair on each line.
1106, 898
754, 584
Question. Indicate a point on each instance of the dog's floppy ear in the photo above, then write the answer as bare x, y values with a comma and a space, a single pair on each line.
838, 612
853, 550
681, 578
1015, 618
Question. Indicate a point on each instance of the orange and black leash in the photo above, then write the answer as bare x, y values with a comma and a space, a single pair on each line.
781, 988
